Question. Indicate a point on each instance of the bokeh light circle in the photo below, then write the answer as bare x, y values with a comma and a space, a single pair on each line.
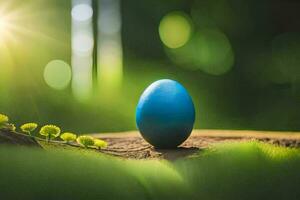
82, 12
175, 29
57, 74
208, 50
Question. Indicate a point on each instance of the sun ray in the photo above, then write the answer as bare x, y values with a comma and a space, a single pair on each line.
19, 21
25, 31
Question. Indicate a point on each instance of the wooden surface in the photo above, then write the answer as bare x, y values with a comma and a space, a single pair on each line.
217, 133
132, 145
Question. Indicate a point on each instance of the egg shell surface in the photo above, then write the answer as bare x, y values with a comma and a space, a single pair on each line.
165, 114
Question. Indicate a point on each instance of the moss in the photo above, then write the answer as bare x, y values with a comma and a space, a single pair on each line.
248, 170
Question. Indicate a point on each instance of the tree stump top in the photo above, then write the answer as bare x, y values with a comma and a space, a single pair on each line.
132, 145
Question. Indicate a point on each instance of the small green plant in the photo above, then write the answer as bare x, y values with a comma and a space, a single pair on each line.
68, 137
5, 125
50, 131
85, 141
3, 120
11, 127
28, 128
100, 143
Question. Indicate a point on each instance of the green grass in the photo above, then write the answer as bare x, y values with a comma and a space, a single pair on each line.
230, 171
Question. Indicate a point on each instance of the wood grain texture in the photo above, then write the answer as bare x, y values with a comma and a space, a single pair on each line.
132, 145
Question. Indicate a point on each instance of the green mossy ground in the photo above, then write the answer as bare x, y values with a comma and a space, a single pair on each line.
249, 170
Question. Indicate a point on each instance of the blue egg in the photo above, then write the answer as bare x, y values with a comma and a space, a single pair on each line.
165, 114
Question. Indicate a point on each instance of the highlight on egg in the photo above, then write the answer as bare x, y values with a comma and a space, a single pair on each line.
165, 114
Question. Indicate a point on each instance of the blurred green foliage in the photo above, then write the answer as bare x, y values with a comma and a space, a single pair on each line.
258, 89
249, 170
